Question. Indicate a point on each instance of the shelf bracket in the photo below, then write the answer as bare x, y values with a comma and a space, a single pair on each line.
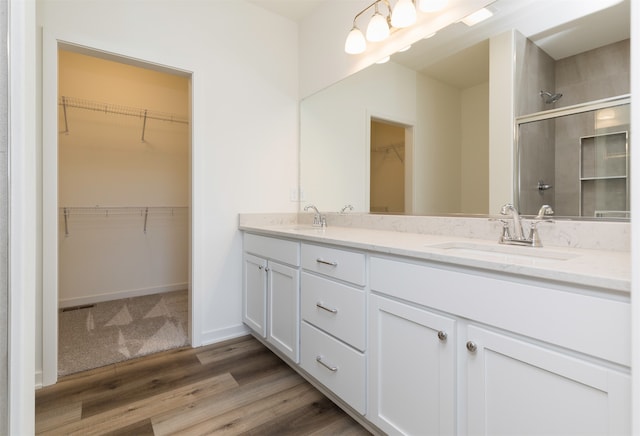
146, 214
64, 111
144, 126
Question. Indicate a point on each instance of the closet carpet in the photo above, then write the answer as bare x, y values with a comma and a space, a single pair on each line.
114, 331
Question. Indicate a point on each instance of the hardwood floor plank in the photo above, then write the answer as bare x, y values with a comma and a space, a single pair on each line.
140, 382
177, 420
258, 412
141, 428
238, 386
120, 417
54, 417
302, 420
343, 427
230, 350
99, 382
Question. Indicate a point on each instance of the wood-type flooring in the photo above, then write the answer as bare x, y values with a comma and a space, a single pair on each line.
234, 387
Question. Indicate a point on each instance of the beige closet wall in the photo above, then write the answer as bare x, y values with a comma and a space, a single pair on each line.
104, 162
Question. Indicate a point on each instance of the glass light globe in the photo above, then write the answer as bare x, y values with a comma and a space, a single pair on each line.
432, 5
355, 43
404, 14
378, 29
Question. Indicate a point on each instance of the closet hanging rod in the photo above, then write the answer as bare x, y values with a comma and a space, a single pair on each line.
120, 210
143, 211
109, 108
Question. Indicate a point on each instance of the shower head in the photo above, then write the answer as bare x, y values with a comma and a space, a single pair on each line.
550, 98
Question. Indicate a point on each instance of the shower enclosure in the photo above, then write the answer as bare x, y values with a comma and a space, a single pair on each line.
575, 159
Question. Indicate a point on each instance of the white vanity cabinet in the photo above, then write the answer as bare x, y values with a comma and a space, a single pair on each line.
412, 369
333, 327
531, 358
271, 280
516, 387
419, 347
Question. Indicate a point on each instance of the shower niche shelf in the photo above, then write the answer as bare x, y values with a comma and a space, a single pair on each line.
604, 175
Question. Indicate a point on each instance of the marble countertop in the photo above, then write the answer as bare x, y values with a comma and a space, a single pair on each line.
610, 270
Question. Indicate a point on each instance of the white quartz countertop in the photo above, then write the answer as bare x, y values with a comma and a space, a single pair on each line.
609, 270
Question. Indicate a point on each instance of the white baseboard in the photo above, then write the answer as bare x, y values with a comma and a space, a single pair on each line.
38, 383
219, 335
116, 295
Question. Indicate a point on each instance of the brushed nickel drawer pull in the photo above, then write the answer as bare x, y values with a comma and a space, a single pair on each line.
326, 262
330, 367
323, 307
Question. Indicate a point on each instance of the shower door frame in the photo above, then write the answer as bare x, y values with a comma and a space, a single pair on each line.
551, 114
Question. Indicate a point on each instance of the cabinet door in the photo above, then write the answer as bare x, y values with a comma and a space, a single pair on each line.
254, 294
412, 369
284, 303
518, 388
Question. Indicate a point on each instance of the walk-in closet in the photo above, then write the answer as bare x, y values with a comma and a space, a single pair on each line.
123, 200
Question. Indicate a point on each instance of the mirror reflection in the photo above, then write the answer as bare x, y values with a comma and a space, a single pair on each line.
451, 109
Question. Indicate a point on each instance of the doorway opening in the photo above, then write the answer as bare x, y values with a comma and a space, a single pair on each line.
123, 201
390, 157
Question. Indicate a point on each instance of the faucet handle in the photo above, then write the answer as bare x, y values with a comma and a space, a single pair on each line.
545, 209
347, 207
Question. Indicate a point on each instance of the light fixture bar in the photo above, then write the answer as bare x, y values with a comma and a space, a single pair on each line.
402, 14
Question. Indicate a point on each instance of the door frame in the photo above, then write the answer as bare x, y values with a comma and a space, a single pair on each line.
409, 147
52, 42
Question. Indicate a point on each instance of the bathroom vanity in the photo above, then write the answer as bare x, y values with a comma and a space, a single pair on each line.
432, 334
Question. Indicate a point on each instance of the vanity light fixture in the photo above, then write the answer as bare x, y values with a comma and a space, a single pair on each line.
385, 18
403, 14
378, 28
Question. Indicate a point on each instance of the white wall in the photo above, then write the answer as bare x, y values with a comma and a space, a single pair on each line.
334, 129
475, 150
437, 150
243, 62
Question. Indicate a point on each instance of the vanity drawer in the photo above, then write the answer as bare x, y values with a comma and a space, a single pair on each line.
334, 364
273, 248
335, 308
563, 316
340, 264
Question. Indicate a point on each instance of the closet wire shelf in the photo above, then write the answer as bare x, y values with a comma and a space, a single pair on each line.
109, 108
142, 211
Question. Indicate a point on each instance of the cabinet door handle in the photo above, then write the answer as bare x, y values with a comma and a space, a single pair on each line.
323, 307
472, 347
260, 267
326, 262
442, 336
330, 367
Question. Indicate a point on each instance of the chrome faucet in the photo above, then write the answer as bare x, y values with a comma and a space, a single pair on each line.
319, 220
347, 207
518, 238
507, 209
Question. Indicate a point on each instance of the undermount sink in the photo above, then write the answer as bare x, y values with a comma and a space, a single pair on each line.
304, 228
504, 253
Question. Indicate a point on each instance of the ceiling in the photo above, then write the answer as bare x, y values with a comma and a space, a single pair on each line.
295, 10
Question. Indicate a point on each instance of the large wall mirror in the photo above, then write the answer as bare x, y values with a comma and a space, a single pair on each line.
451, 108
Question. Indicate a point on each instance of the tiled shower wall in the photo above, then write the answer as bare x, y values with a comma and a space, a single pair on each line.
551, 148
592, 75
535, 70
